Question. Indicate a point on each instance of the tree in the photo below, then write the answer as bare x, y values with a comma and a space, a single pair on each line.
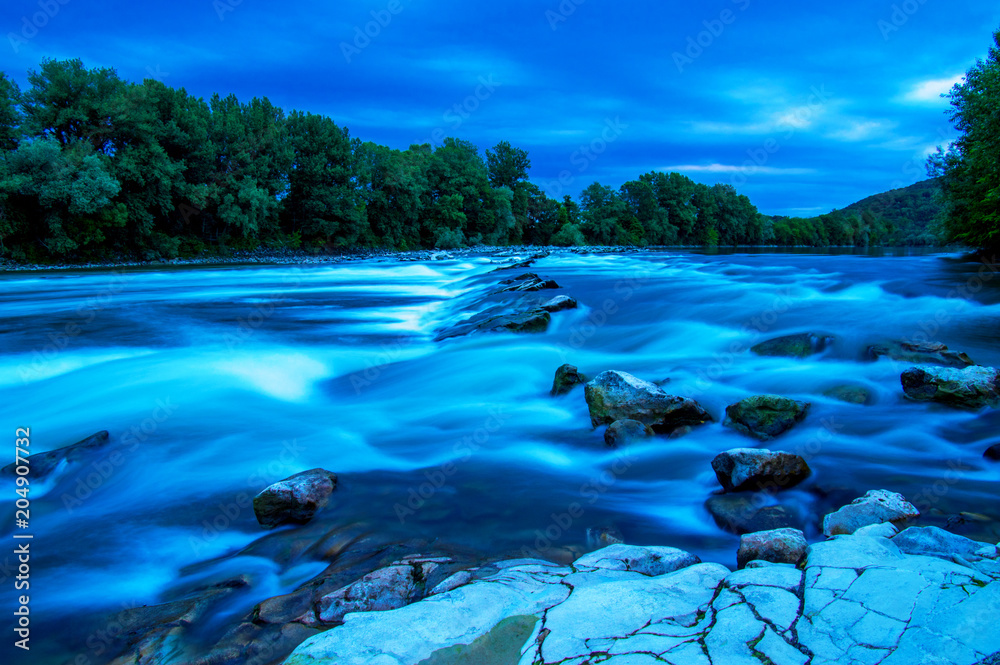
10, 118
507, 166
971, 166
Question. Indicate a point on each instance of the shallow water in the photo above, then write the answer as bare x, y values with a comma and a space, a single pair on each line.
217, 382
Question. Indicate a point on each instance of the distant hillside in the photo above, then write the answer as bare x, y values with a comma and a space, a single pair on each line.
915, 210
907, 216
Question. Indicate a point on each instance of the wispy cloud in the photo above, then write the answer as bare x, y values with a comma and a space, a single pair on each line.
931, 91
734, 168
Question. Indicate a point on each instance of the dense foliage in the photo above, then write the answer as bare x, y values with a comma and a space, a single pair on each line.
970, 169
92, 167
908, 216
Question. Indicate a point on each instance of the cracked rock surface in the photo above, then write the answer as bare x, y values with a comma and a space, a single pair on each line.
858, 598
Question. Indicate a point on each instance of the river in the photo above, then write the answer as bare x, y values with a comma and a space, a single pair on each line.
217, 381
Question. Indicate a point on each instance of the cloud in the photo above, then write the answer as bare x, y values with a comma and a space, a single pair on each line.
734, 168
860, 130
931, 91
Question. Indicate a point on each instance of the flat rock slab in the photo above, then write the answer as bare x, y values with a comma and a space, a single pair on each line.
859, 599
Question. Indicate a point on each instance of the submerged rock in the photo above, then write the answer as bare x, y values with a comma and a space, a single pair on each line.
993, 453
617, 395
529, 281
43, 464
567, 377
875, 507
851, 394
534, 321
750, 513
559, 304
754, 469
602, 536
801, 345
929, 353
765, 416
621, 432
969, 388
777, 546
295, 499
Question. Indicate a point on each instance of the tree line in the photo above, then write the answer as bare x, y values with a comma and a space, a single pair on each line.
96, 167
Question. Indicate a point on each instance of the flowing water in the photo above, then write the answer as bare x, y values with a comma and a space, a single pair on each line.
215, 382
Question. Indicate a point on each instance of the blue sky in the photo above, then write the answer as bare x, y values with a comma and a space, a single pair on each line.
803, 107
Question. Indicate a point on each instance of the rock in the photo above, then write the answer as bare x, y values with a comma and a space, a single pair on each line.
295, 499
755, 469
527, 282
932, 541
852, 394
454, 581
858, 600
617, 395
765, 416
603, 536
384, 589
777, 546
560, 303
875, 507
993, 452
802, 345
745, 513
622, 432
969, 388
567, 378
651, 561
533, 321
43, 464
928, 353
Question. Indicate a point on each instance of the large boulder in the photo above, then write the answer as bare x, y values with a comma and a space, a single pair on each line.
567, 377
969, 388
875, 507
925, 353
622, 432
801, 345
765, 416
777, 546
755, 469
295, 499
617, 395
